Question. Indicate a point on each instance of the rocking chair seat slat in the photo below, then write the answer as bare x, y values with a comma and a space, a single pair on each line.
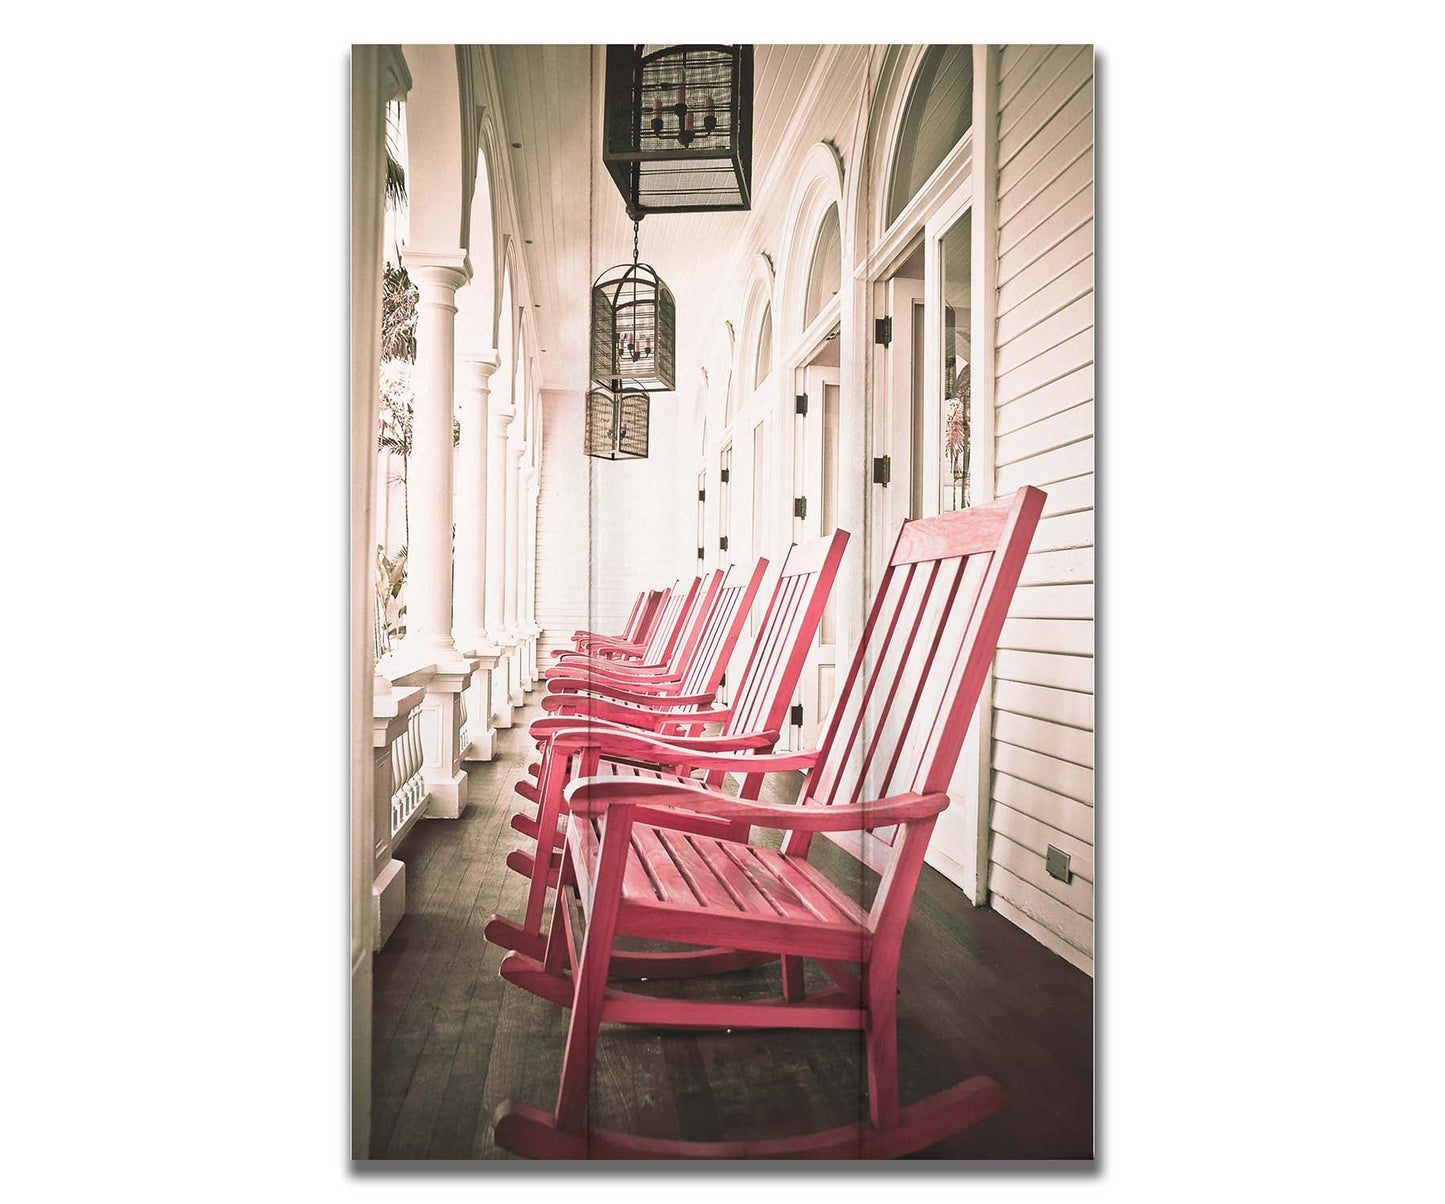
680, 885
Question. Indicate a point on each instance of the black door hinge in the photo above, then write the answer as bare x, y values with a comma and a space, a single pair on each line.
797, 715
882, 470
700, 553
800, 507
702, 495
724, 475
800, 403
883, 330
723, 542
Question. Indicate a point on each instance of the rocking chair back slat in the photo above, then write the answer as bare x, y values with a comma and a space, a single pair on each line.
794, 611
694, 622
669, 627
651, 613
908, 696
724, 626
634, 620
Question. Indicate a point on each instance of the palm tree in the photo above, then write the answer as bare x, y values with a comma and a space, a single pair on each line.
956, 435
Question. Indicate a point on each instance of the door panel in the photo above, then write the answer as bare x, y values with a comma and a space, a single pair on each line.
815, 481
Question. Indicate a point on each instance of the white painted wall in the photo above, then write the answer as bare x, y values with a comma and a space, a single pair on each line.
1043, 700
607, 529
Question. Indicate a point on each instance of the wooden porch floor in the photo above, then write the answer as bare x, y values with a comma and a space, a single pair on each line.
451, 1040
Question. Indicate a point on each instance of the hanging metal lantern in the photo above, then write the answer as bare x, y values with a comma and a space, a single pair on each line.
677, 130
634, 327
616, 427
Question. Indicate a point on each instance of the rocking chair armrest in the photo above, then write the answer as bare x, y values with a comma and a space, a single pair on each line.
598, 688
650, 715
578, 662
622, 672
582, 708
568, 736
613, 645
693, 752
655, 798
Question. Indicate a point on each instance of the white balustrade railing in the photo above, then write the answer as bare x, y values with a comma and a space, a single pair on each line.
400, 790
408, 790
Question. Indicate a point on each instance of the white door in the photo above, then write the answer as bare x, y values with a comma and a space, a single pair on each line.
947, 352
815, 514
895, 417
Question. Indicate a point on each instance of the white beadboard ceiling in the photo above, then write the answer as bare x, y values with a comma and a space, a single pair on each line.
545, 92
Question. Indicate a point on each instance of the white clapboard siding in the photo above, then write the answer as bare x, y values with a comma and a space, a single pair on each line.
1052, 773
1053, 602
1017, 66
1055, 810
1067, 160
1074, 744
1077, 893
1033, 244
1060, 706
1054, 398
1029, 832
562, 526
1065, 497
1074, 636
1046, 669
1042, 782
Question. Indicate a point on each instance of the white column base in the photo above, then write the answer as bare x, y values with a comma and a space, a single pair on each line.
446, 781
480, 737
502, 693
388, 901
483, 744
447, 798
515, 652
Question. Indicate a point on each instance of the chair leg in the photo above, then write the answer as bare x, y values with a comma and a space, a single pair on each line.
591, 978
882, 1046
551, 786
792, 978
559, 937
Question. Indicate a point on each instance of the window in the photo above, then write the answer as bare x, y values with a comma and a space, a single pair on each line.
765, 348
826, 270
955, 255
938, 114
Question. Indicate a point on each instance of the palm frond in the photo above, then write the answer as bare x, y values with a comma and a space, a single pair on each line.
395, 182
399, 297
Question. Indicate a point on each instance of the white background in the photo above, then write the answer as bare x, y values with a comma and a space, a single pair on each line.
174, 292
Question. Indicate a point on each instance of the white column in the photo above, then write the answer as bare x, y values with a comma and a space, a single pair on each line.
497, 517
516, 453
529, 575
437, 276
474, 372
429, 557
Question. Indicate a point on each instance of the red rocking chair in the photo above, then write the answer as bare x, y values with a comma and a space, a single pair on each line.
669, 858
692, 617
700, 661
645, 613
752, 722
